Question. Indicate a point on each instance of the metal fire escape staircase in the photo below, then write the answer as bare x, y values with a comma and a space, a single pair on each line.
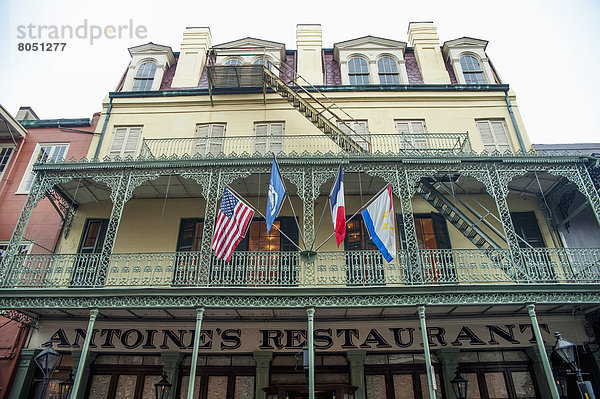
469, 228
319, 109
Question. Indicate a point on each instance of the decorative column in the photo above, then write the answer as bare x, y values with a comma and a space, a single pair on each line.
263, 361
211, 191
311, 352
356, 359
534, 355
425, 338
38, 190
449, 361
171, 362
542, 352
497, 186
85, 376
78, 390
199, 315
23, 375
406, 192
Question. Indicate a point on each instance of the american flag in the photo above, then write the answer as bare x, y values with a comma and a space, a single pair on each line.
232, 222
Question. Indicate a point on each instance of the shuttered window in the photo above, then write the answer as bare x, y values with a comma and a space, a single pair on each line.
412, 135
358, 131
43, 153
268, 137
493, 136
210, 138
125, 142
5, 154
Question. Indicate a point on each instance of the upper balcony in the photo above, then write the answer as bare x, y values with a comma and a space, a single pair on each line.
300, 146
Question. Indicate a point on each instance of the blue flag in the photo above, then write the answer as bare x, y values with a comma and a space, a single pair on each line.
275, 196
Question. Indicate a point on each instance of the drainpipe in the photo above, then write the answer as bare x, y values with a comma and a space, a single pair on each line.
514, 121
103, 128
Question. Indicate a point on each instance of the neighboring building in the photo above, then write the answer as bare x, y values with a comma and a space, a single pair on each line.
134, 289
22, 143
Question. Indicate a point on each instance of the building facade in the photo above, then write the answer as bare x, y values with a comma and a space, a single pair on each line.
24, 139
480, 280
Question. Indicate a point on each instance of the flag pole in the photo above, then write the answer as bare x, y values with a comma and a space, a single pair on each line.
312, 245
356, 213
261, 214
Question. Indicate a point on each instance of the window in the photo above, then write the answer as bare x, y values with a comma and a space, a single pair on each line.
362, 268
5, 154
210, 138
264, 61
358, 71
388, 71
144, 77
527, 228
125, 142
42, 153
472, 70
233, 61
358, 131
86, 271
268, 137
412, 135
493, 136
190, 235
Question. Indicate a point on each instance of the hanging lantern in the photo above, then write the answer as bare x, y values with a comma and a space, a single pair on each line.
47, 359
162, 387
459, 386
565, 350
65, 386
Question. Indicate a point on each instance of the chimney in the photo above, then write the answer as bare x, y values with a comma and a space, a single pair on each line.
309, 43
423, 37
26, 114
192, 57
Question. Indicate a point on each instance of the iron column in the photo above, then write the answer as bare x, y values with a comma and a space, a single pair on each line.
421, 309
84, 352
542, 351
199, 315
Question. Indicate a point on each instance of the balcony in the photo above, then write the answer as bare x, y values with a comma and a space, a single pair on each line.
377, 145
287, 269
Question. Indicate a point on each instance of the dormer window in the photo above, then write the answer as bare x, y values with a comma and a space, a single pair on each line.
358, 71
264, 61
388, 71
472, 70
233, 62
144, 77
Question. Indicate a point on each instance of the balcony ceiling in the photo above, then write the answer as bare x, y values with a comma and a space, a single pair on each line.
299, 314
83, 191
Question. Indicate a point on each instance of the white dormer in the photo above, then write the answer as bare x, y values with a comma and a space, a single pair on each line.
147, 67
250, 51
371, 60
468, 58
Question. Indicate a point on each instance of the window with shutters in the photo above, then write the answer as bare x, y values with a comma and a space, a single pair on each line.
125, 142
493, 135
42, 153
5, 155
268, 137
358, 131
412, 135
210, 138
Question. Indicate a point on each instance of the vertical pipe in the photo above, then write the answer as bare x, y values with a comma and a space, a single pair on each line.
515, 124
84, 352
542, 350
199, 315
421, 309
311, 353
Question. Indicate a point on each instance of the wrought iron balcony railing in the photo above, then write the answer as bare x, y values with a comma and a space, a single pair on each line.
302, 145
287, 269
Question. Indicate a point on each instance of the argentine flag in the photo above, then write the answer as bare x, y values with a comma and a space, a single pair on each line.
379, 219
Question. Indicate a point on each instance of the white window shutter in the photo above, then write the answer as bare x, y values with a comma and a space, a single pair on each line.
260, 139
276, 138
500, 135
487, 137
217, 135
202, 135
132, 141
125, 142
118, 141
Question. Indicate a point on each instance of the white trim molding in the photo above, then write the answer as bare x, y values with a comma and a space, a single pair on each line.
453, 50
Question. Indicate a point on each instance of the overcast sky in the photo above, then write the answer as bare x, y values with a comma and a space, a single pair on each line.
548, 51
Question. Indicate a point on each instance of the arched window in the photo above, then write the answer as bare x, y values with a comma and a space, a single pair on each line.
263, 61
388, 71
233, 61
358, 71
144, 77
471, 70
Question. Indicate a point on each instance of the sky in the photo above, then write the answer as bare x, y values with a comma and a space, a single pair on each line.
548, 51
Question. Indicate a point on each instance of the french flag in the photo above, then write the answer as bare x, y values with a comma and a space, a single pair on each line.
338, 210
